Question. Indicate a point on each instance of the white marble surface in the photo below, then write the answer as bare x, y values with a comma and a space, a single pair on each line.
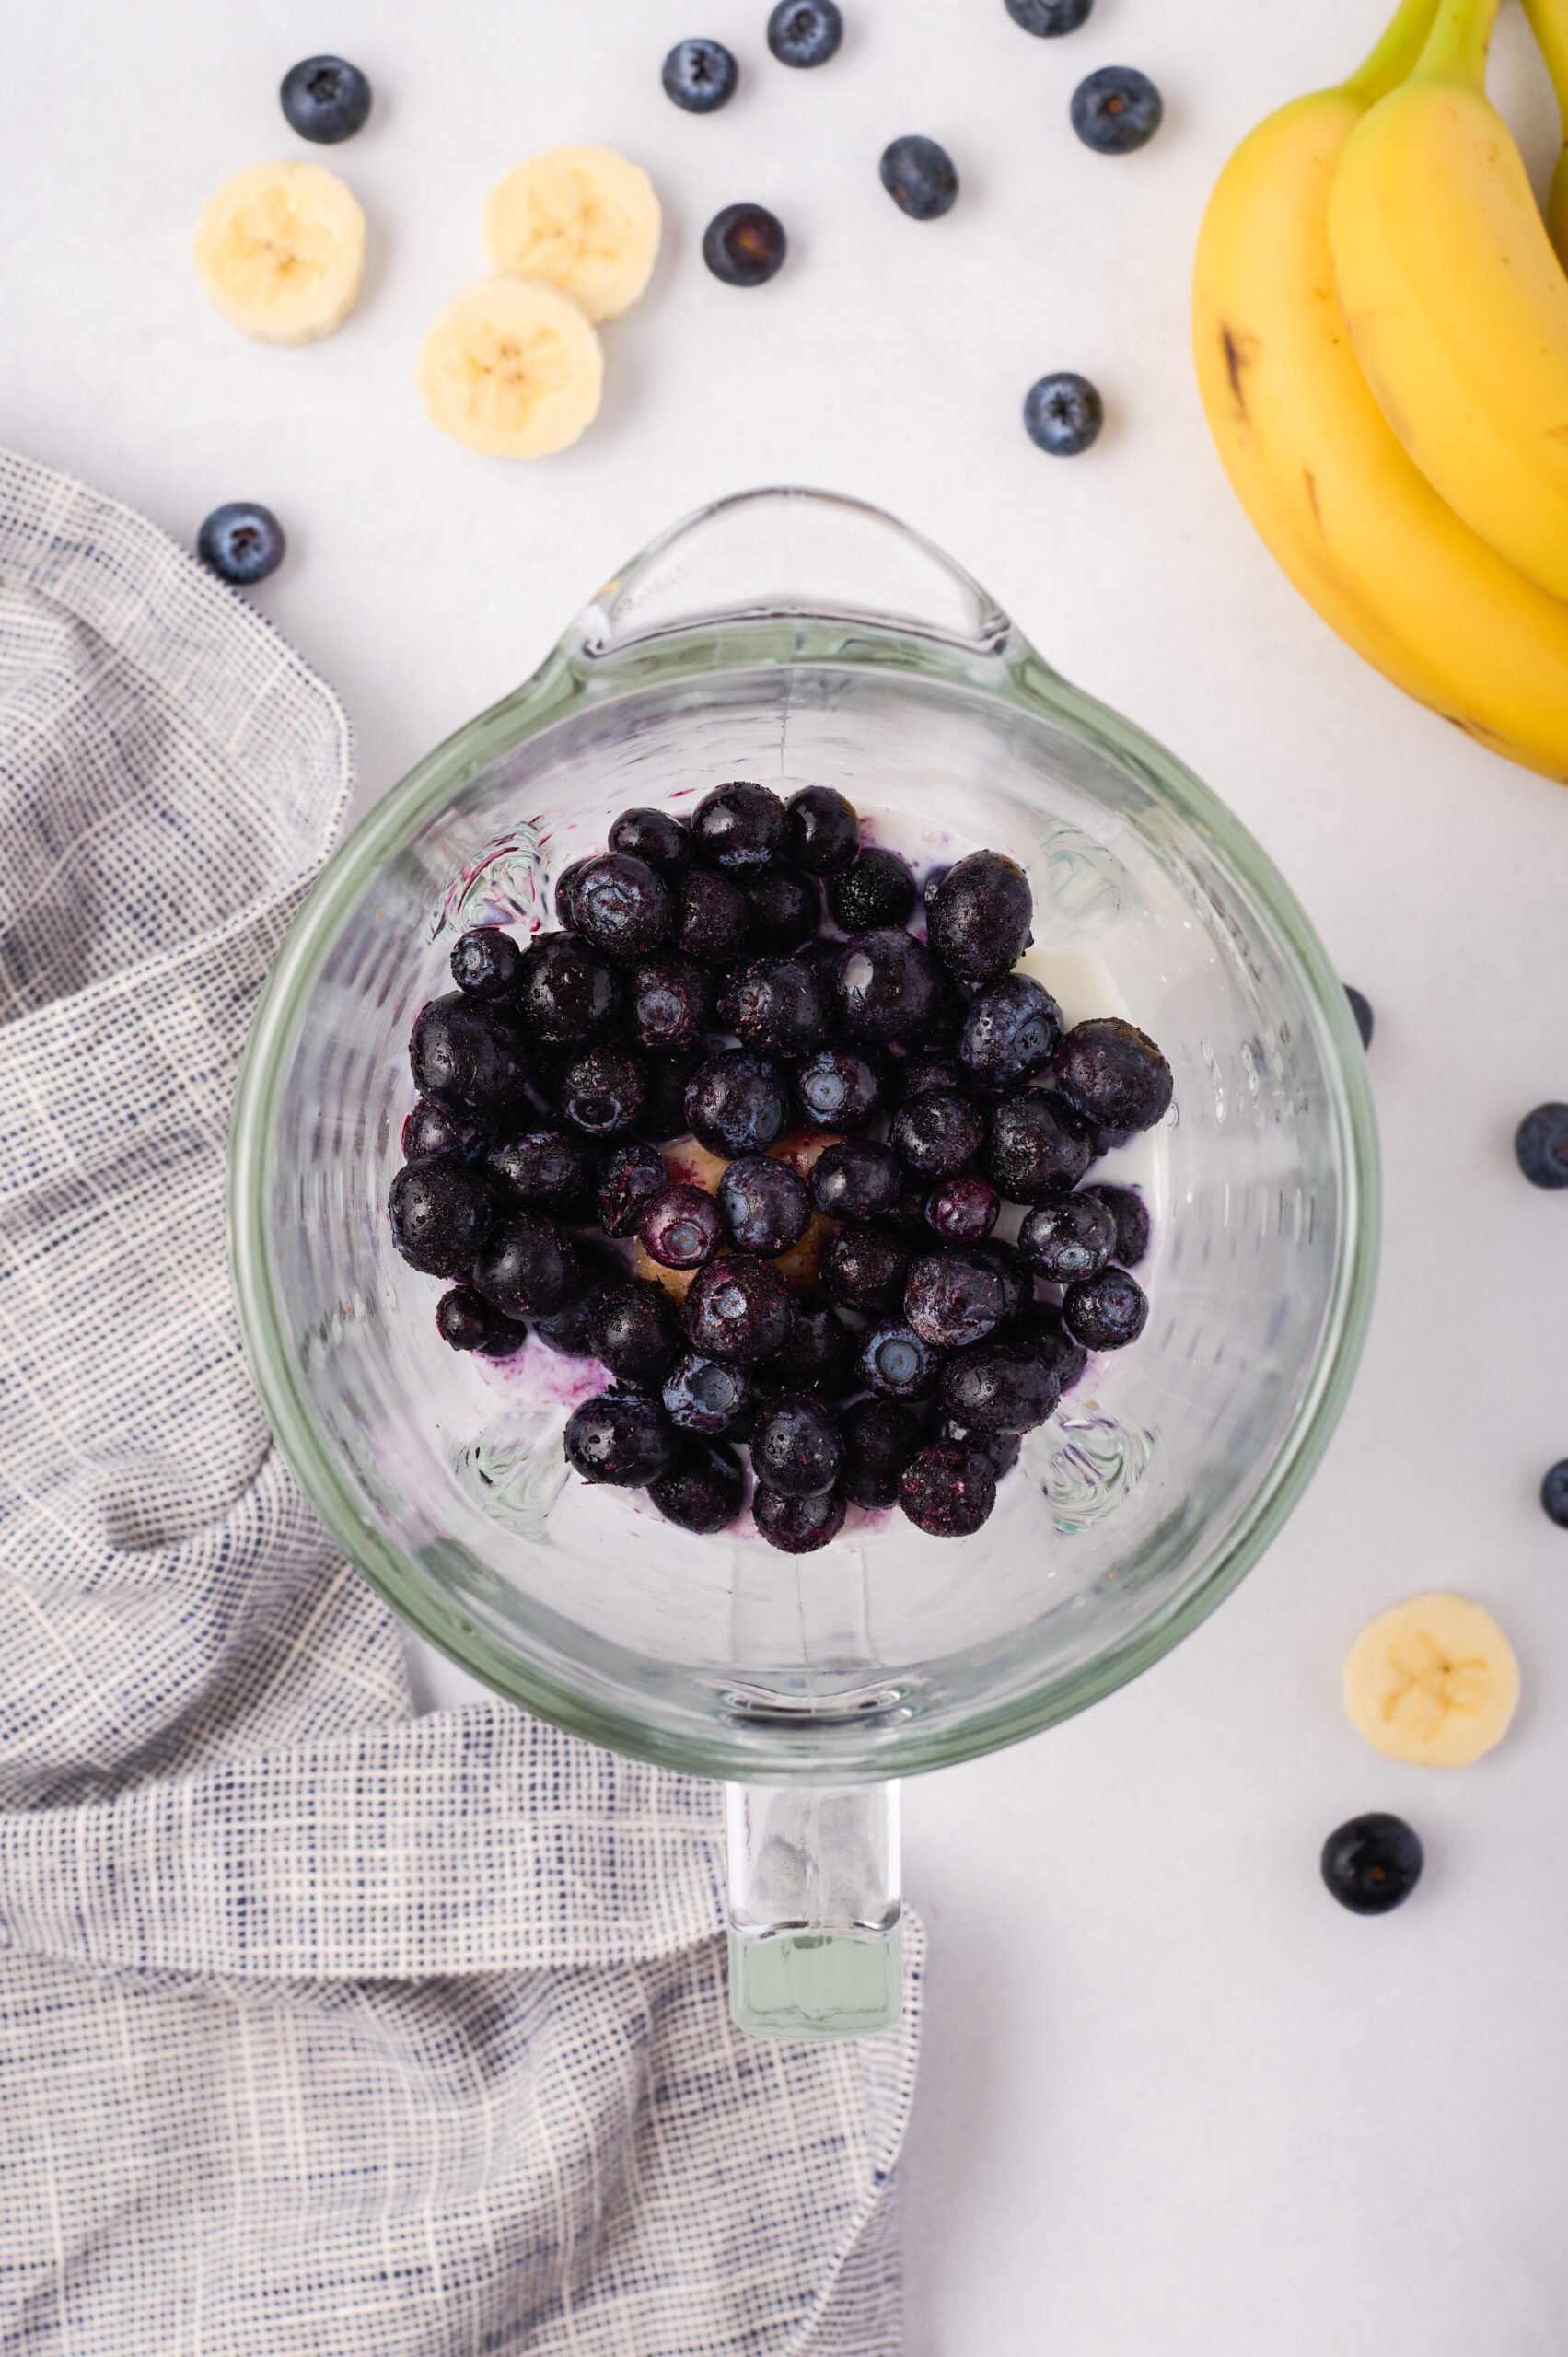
1174, 2103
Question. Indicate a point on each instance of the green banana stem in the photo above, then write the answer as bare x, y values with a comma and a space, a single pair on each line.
1460, 39
1549, 22
1397, 54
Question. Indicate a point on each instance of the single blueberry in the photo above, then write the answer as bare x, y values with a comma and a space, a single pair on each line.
1540, 1142
887, 986
797, 1446
963, 1210
1113, 1076
824, 832
764, 1203
669, 1000
1107, 1312
783, 1003
680, 1228
1036, 1148
654, 836
1009, 1031
863, 1268
978, 918
636, 1332
1049, 18
1063, 414
570, 1331
879, 889
928, 1068
623, 906
435, 1128
467, 1054
486, 962
700, 75
629, 1176
745, 245
1067, 1241
541, 1167
894, 1360
739, 1102
441, 1214
619, 1437
939, 1132
838, 1087
955, 1298
1360, 1007
466, 1321
1040, 1330
920, 176
784, 908
566, 993
739, 1309
857, 1178
1115, 110
529, 1269
242, 541
947, 1491
709, 1396
603, 1091
1372, 1862
1555, 1493
880, 1436
713, 917
797, 1526
739, 828
817, 1355
1130, 1211
1000, 1385
805, 32
703, 1489
325, 98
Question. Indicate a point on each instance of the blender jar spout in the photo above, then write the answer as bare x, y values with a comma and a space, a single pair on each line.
816, 1944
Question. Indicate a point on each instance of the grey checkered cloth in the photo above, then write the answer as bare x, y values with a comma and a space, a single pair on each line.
323, 2029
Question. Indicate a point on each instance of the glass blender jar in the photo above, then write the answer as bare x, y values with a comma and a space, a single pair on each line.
792, 636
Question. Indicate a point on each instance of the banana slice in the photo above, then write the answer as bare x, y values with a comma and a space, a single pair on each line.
511, 368
1433, 1682
583, 218
281, 251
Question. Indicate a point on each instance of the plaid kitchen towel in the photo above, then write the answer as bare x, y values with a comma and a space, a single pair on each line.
323, 2029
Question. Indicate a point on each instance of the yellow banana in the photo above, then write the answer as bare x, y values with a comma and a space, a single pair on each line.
1356, 526
1457, 304
1549, 22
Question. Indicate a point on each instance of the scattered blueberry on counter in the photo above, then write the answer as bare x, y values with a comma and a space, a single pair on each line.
242, 541
325, 98
1047, 18
700, 75
1361, 1008
1541, 1145
920, 176
1063, 414
1115, 110
745, 245
1555, 1493
817, 1277
805, 32
1372, 1863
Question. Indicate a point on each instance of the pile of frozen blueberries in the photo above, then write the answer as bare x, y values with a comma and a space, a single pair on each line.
869, 1099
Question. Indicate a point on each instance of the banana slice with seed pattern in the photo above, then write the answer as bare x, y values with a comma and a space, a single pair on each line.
280, 249
511, 368
1433, 1682
583, 218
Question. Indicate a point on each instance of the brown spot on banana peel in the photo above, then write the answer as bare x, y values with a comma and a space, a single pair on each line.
1310, 479
1240, 351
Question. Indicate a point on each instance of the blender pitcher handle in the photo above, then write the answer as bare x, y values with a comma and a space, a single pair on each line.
778, 553
815, 1947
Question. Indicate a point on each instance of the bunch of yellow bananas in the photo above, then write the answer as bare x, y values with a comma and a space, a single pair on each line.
1380, 318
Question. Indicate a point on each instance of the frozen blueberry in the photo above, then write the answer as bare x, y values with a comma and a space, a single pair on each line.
797, 1526
1002, 1449
1115, 110
765, 1205
880, 1436
805, 32
663, 1116
486, 962
823, 830
1047, 18
1361, 1008
467, 1054
739, 1309
877, 890
926, 1068
1540, 1143
566, 889
325, 98
779, 1002
466, 1320
1037, 1148
795, 1447
703, 1489
1555, 1493
840, 1088
635, 1330
783, 905
1067, 1241
700, 75
566, 994
603, 1091
893, 1359
629, 1174
939, 1133
1113, 1076
527, 1269
963, 1210
1008, 1032
745, 245
669, 1000
737, 829
713, 917
619, 1437
1063, 414
947, 1491
978, 918
818, 1350
1373, 1863
1129, 1210
863, 1268
709, 1396
887, 986
1040, 1330
919, 176
622, 906
955, 1298
569, 1330
1107, 1312
441, 1214
654, 836
1000, 1386
242, 541
907, 1219
541, 1167
856, 1180
739, 1102
435, 1128
680, 1227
